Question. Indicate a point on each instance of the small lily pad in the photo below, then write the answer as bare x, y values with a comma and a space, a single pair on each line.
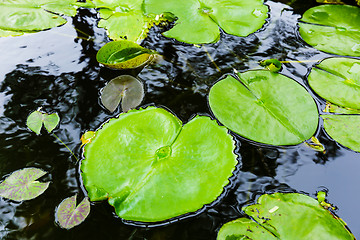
332, 28
151, 168
286, 216
125, 88
68, 215
338, 81
124, 55
36, 119
344, 129
22, 185
265, 107
272, 65
86, 137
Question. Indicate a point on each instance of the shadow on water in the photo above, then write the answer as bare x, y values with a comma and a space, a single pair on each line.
180, 81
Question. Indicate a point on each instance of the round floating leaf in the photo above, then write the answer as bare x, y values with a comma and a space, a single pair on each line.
344, 129
151, 168
126, 88
36, 119
22, 185
123, 55
265, 107
68, 215
199, 21
338, 81
332, 28
29, 16
286, 216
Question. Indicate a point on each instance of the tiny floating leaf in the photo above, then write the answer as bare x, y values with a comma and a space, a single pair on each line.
86, 137
22, 185
273, 65
68, 215
127, 89
124, 55
36, 119
297, 216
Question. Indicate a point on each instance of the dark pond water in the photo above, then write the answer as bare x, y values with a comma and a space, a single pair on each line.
57, 70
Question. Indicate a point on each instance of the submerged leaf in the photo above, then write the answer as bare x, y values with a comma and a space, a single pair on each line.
286, 216
22, 185
124, 88
338, 81
199, 21
265, 107
36, 119
344, 129
332, 28
124, 55
68, 215
151, 168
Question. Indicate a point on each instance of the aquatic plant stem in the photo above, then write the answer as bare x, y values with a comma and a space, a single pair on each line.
211, 59
77, 160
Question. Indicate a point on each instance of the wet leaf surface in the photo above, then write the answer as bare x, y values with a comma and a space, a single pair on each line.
332, 28
68, 215
127, 89
151, 168
265, 107
23, 185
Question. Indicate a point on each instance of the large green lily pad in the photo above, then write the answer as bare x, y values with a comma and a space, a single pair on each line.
124, 19
344, 129
199, 21
332, 28
338, 81
286, 216
151, 168
17, 16
265, 107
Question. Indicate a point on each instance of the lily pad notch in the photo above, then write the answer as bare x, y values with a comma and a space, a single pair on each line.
158, 169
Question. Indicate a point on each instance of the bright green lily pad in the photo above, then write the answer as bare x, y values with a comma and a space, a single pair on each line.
68, 215
286, 216
22, 185
29, 16
36, 119
272, 65
338, 81
265, 107
151, 168
124, 19
332, 28
344, 129
124, 55
125, 88
199, 21
332, 108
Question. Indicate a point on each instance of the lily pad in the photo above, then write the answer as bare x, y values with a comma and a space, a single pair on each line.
22, 185
124, 19
344, 129
286, 216
68, 215
124, 55
36, 119
86, 137
151, 168
199, 21
29, 16
332, 28
338, 81
272, 65
332, 108
265, 107
125, 88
